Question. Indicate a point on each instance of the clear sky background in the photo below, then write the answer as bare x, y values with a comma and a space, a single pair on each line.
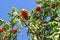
6, 6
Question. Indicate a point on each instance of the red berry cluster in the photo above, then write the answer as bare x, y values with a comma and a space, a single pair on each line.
24, 13
52, 5
37, 17
14, 31
1, 30
38, 8
41, 23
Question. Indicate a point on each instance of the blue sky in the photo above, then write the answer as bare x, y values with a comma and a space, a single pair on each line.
6, 6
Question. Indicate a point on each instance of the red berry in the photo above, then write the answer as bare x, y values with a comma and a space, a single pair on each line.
41, 23
53, 5
38, 8
24, 13
14, 31
1, 30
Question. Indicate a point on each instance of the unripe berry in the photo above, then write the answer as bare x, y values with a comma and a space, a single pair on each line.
5, 36
5, 29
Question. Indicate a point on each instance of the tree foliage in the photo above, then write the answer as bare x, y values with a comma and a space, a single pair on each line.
35, 21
